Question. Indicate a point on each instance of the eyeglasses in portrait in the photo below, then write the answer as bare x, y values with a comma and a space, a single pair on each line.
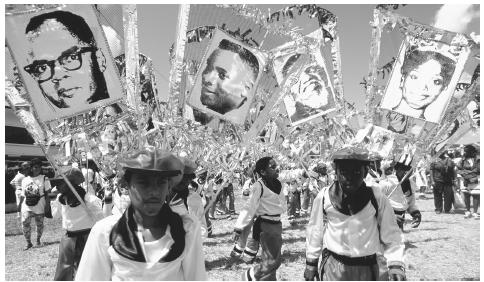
64, 60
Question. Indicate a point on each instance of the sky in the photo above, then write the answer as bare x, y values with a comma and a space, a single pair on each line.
157, 32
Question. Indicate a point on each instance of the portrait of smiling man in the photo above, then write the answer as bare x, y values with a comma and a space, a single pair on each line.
227, 80
64, 60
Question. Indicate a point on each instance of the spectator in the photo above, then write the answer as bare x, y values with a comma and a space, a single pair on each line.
35, 188
469, 169
442, 175
17, 181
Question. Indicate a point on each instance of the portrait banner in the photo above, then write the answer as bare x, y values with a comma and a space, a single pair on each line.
313, 94
424, 78
63, 60
227, 79
259, 29
404, 103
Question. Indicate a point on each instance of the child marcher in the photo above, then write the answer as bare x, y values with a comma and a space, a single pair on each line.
76, 221
349, 222
149, 241
267, 202
35, 188
246, 247
400, 201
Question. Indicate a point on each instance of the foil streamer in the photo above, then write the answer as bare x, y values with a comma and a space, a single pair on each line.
209, 146
130, 22
337, 73
376, 25
176, 96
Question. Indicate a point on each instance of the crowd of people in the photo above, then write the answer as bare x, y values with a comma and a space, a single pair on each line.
149, 220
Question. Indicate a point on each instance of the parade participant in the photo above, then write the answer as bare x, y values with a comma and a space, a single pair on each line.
267, 203
469, 169
246, 247
76, 221
400, 201
442, 176
203, 181
17, 181
352, 221
421, 177
35, 188
293, 198
149, 241
219, 205
120, 199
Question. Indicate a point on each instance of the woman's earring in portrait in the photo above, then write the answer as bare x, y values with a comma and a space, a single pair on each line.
101, 60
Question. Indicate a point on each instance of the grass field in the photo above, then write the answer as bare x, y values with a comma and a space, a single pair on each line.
444, 247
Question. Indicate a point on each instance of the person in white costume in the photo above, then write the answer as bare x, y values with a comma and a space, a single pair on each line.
149, 241
401, 201
267, 203
75, 220
349, 223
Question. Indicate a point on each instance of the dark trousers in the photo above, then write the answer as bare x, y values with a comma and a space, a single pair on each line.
70, 252
230, 194
271, 244
294, 202
306, 199
333, 268
445, 190
475, 201
207, 218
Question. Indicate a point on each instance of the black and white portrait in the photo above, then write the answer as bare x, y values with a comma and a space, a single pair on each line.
312, 95
423, 80
64, 60
227, 79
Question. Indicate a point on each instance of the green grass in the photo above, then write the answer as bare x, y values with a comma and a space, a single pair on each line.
444, 247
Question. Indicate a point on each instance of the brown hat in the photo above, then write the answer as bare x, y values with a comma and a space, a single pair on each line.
74, 175
151, 160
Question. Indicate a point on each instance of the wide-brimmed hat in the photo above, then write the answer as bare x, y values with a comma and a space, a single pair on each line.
152, 161
353, 153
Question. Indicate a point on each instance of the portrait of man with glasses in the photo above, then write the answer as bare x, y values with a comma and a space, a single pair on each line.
66, 63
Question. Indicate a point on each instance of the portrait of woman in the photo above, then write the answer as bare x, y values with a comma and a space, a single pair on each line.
423, 81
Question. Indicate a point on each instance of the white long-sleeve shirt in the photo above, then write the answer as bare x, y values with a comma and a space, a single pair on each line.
101, 262
270, 205
354, 235
398, 200
76, 218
